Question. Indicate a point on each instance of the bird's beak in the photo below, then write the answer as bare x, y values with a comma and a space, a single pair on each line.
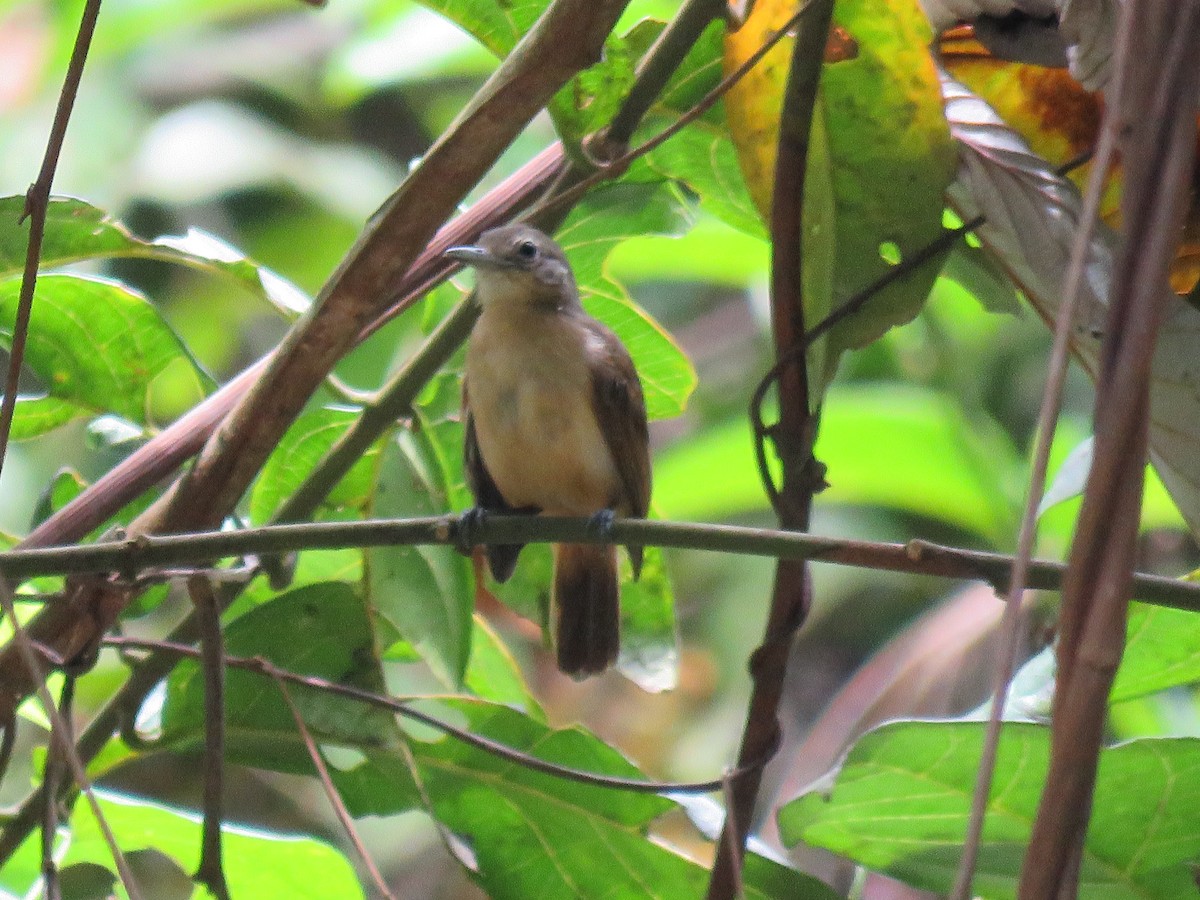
475, 256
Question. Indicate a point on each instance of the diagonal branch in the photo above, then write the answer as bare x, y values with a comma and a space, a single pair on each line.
331, 791
567, 37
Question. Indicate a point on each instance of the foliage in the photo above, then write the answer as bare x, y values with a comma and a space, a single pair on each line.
279, 131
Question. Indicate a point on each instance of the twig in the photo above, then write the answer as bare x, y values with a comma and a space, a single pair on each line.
37, 199
269, 670
794, 436
52, 777
60, 734
211, 870
335, 799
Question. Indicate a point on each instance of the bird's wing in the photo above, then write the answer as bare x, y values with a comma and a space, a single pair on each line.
502, 558
621, 413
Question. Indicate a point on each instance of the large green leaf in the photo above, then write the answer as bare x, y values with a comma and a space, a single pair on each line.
1162, 650
321, 630
891, 158
900, 803
588, 100
101, 347
425, 593
77, 231
589, 234
296, 455
535, 835
257, 864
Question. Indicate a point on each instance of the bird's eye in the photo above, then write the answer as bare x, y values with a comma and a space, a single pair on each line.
527, 249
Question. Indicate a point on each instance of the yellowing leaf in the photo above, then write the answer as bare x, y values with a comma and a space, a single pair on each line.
884, 142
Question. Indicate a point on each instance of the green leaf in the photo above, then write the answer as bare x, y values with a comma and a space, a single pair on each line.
257, 864
588, 100
703, 157
699, 73
321, 630
425, 593
35, 416
493, 674
589, 234
891, 159
303, 446
98, 345
77, 231
1162, 650
534, 835
900, 803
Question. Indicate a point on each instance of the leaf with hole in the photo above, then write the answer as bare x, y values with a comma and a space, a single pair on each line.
879, 133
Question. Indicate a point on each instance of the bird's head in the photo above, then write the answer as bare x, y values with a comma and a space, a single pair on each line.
518, 264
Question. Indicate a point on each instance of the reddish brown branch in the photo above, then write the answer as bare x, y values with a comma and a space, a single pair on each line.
793, 437
211, 870
331, 791
1157, 83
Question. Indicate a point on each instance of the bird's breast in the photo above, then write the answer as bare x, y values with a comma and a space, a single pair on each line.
530, 389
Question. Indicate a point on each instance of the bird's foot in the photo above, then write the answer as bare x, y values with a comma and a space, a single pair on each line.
469, 525
601, 523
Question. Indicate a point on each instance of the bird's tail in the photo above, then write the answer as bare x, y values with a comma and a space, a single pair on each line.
587, 608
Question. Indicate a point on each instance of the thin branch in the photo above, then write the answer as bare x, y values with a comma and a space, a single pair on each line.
60, 735
794, 436
37, 200
335, 799
52, 777
211, 870
916, 557
269, 670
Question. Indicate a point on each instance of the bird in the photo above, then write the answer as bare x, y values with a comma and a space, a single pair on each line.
555, 424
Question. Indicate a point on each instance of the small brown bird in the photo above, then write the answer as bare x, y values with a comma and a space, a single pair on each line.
555, 424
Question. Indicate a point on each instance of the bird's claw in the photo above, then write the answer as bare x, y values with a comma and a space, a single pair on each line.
469, 524
601, 523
